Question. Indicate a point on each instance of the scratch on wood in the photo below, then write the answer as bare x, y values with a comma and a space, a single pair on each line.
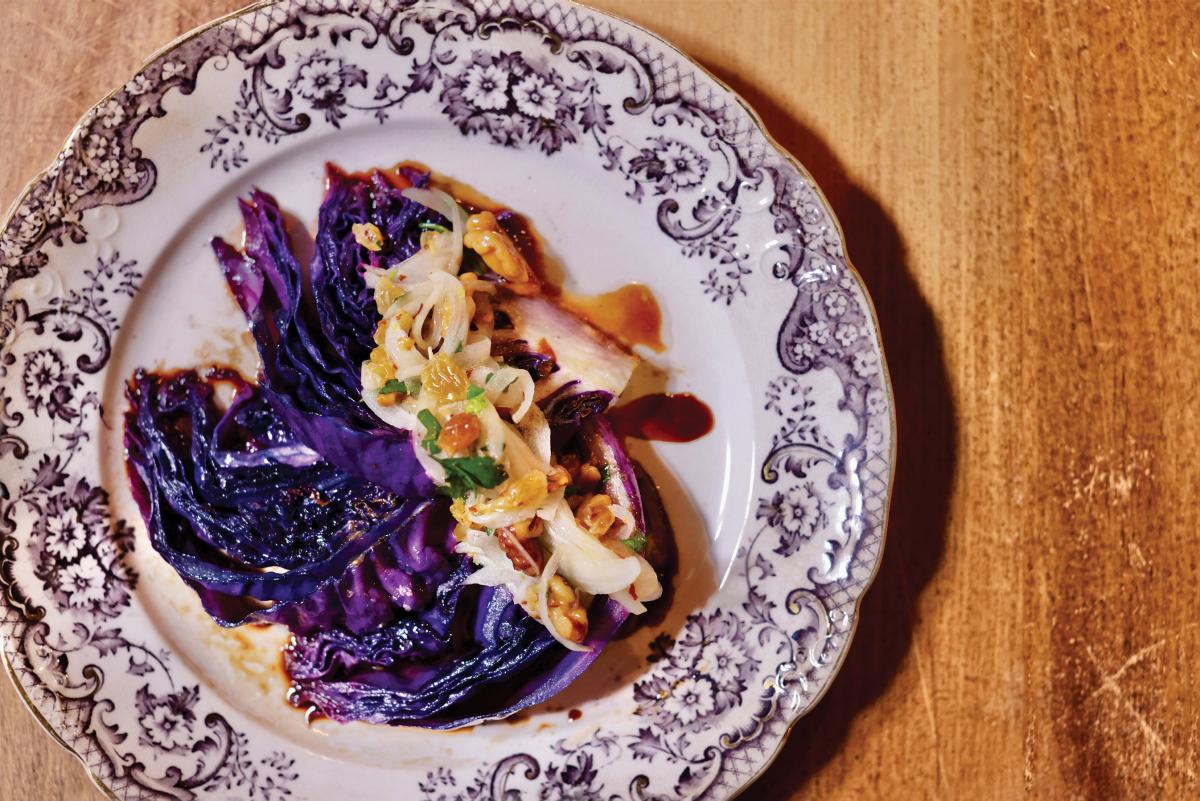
1110, 681
1110, 684
922, 676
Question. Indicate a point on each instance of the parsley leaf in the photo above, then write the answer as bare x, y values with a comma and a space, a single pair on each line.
636, 542
433, 430
604, 473
393, 386
476, 399
413, 386
465, 473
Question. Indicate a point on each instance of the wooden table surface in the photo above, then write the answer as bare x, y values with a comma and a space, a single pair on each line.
1017, 185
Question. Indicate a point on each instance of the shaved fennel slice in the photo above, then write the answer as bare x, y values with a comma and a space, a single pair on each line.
626, 599
492, 432
623, 514
511, 388
476, 353
443, 204
450, 323
495, 568
583, 353
536, 431
586, 562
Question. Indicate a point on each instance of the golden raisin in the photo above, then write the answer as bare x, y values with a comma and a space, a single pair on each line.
527, 491
458, 510
444, 380
375, 375
459, 433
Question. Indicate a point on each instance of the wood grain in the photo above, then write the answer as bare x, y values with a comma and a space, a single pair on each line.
1017, 184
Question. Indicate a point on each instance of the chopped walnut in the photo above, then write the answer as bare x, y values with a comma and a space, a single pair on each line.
567, 615
368, 235
499, 252
589, 476
595, 515
527, 529
557, 479
526, 556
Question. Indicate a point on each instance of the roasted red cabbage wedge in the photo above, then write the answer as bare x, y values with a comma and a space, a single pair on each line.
309, 368
387, 630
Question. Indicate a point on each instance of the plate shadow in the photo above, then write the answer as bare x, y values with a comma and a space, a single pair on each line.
925, 459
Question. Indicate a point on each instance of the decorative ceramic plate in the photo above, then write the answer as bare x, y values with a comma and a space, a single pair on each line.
636, 166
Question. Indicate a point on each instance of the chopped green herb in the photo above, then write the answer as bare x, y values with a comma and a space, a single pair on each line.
489, 378
465, 473
604, 473
413, 386
392, 386
459, 348
432, 226
491, 531
476, 399
636, 542
433, 430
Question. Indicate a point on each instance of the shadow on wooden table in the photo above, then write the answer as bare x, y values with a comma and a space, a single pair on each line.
926, 457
